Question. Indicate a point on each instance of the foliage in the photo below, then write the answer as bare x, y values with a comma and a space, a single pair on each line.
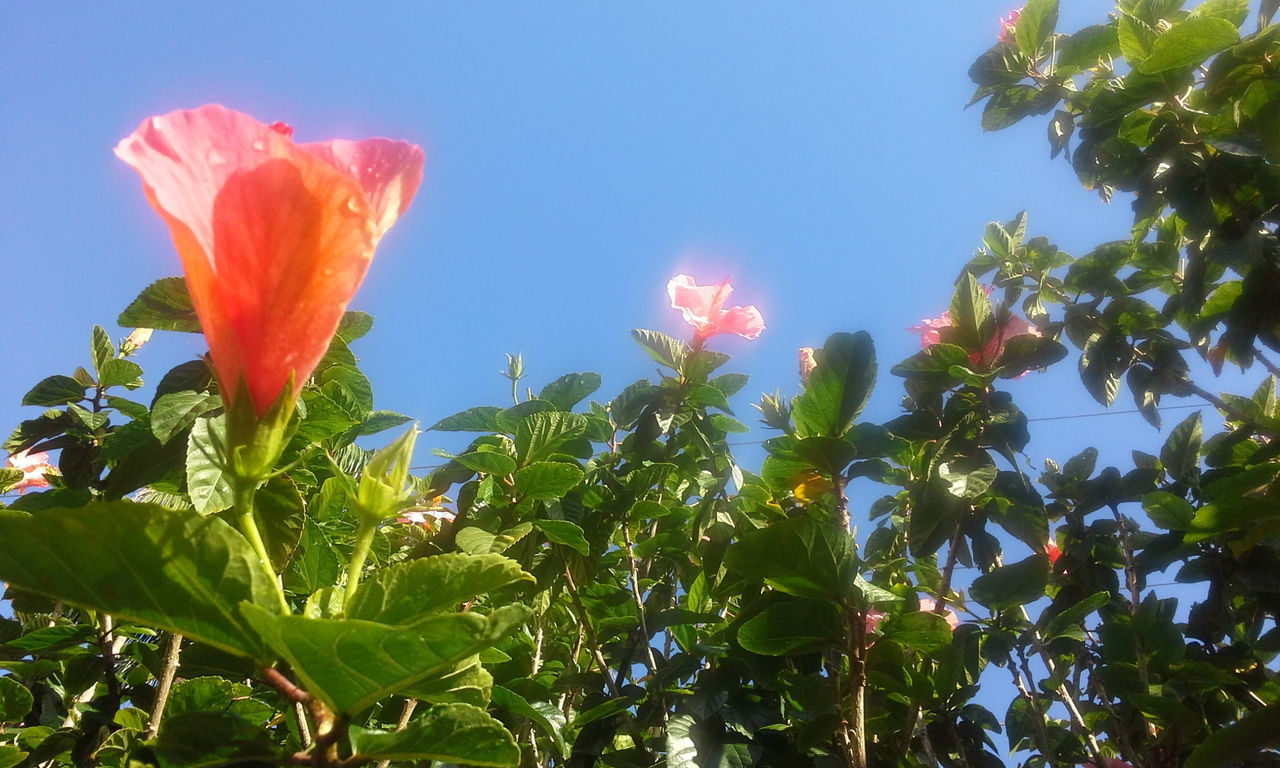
597, 582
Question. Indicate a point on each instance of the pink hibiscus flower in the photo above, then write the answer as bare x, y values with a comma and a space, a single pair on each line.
1008, 25
807, 363
929, 605
34, 466
703, 308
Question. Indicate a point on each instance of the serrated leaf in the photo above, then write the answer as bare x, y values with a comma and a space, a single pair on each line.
450, 733
1035, 23
55, 390
15, 701
409, 592
101, 347
174, 412
212, 740
350, 664
546, 480
164, 305
120, 373
544, 714
1181, 452
353, 325
566, 533
479, 419
661, 347
144, 563
799, 556
924, 631
208, 484
838, 388
488, 462
570, 389
1189, 42
539, 435
793, 627
1013, 584
379, 421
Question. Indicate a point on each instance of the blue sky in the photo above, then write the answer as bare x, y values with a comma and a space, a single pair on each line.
579, 154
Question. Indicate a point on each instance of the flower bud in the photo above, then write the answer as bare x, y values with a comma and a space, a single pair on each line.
383, 490
135, 341
808, 361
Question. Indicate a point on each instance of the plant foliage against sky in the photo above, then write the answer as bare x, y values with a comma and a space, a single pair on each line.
225, 575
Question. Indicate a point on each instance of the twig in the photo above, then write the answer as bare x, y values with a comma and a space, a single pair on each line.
640, 608
276, 679
405, 713
164, 685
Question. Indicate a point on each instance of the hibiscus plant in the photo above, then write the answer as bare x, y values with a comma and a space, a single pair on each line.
227, 575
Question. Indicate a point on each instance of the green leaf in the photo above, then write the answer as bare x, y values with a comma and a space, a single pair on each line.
208, 484
204, 694
661, 347
279, 509
213, 740
838, 387
317, 564
1189, 42
55, 390
1027, 352
11, 756
1035, 24
121, 373
570, 389
932, 364
9, 476
15, 701
566, 533
539, 435
971, 321
1167, 511
1012, 585
547, 480
479, 419
379, 421
792, 627
164, 305
1234, 11
488, 462
478, 541
1085, 48
409, 592
101, 347
799, 556
350, 664
450, 733
471, 683
965, 482
1181, 452
609, 708
354, 325
171, 569
544, 714
925, 631
1067, 623
176, 411
1239, 742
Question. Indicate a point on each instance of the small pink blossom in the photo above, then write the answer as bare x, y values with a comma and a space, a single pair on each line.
807, 363
1008, 25
428, 517
873, 620
929, 605
34, 466
930, 330
703, 308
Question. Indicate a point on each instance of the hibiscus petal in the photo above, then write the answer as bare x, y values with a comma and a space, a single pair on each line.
700, 305
274, 240
388, 171
747, 322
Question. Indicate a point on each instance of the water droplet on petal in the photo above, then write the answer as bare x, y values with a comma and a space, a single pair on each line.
260, 145
353, 205
216, 158
327, 271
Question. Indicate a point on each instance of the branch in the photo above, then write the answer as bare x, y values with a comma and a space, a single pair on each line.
164, 685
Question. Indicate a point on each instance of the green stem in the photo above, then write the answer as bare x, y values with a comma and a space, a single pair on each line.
364, 541
244, 492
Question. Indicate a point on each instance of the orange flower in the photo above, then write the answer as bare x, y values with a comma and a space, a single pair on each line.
275, 237
1052, 551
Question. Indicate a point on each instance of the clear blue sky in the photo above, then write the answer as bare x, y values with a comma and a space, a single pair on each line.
578, 155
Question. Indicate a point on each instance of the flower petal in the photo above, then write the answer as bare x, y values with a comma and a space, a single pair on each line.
700, 305
388, 171
747, 322
274, 240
